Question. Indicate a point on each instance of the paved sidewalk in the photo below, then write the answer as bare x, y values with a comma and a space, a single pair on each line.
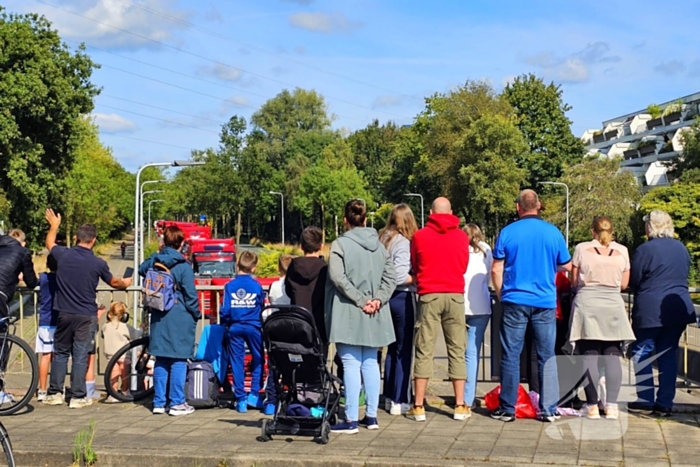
128, 434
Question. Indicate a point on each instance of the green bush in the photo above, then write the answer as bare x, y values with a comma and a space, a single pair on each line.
268, 259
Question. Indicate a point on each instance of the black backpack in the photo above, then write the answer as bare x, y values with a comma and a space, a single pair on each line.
202, 385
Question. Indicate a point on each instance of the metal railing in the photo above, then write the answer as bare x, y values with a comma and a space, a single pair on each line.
26, 306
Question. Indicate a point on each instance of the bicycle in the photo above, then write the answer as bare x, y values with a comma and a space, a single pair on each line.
6, 447
137, 360
19, 369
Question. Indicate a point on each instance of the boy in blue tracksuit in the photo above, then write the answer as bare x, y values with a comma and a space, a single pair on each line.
240, 313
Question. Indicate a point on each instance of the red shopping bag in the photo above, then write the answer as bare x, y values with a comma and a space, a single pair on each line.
523, 407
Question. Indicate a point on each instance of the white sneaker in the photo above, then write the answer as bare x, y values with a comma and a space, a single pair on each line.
41, 395
398, 409
54, 399
76, 403
6, 398
111, 400
158, 410
182, 409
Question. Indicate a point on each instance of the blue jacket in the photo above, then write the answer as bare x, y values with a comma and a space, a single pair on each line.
243, 301
211, 349
173, 332
659, 277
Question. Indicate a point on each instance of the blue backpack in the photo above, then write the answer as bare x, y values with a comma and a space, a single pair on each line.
159, 289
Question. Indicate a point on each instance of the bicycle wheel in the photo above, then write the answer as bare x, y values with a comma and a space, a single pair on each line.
7, 448
135, 381
21, 376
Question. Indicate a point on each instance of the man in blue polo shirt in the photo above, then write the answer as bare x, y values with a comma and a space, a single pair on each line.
527, 256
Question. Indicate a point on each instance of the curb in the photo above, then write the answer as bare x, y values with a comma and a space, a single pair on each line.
155, 459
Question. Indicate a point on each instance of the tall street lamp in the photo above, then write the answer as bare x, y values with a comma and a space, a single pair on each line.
422, 211
137, 227
149, 215
371, 214
143, 195
281, 211
567, 205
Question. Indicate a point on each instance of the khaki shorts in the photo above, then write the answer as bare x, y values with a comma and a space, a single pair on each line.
444, 310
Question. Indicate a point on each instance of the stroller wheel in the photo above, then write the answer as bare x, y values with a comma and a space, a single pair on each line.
325, 432
265, 431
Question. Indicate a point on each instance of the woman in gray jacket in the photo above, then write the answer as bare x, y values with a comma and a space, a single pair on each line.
361, 282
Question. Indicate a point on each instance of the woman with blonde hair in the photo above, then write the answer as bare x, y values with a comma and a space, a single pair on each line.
396, 238
477, 305
599, 324
662, 310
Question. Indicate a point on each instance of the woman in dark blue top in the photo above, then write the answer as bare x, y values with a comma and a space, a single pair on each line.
662, 309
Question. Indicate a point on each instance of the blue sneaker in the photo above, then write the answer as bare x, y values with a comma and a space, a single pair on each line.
369, 422
242, 406
349, 428
255, 401
269, 409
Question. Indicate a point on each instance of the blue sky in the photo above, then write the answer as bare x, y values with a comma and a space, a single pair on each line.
174, 70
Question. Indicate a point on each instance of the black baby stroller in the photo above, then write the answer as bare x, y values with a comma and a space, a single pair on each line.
307, 396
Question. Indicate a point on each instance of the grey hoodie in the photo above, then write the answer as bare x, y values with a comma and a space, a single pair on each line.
359, 270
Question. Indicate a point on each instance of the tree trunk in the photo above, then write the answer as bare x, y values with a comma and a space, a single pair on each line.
216, 227
68, 235
238, 229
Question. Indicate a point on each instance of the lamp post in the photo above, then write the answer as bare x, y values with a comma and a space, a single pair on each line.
364, 203
281, 211
137, 227
422, 211
567, 205
149, 215
143, 194
371, 214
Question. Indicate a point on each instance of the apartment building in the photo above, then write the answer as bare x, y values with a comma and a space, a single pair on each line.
647, 139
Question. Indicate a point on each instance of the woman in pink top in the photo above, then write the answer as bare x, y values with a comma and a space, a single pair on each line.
599, 323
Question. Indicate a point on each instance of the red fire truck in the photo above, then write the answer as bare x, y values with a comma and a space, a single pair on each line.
192, 230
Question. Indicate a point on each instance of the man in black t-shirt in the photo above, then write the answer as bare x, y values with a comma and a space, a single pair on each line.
79, 272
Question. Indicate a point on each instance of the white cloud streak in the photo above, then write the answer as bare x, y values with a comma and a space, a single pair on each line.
113, 123
325, 23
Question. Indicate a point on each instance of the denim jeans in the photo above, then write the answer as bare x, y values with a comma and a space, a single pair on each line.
662, 341
475, 339
399, 355
174, 370
73, 338
513, 327
240, 334
359, 363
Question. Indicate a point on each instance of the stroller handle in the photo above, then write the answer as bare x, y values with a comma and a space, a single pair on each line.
281, 308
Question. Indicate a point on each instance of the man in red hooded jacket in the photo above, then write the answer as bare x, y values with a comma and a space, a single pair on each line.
439, 256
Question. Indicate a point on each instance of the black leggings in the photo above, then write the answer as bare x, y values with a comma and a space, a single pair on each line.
611, 361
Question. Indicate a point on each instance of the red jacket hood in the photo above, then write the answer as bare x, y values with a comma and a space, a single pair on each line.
442, 223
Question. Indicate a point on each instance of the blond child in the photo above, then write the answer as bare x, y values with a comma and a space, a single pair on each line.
116, 334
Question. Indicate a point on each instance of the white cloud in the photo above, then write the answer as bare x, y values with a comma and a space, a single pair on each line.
99, 19
507, 80
113, 123
326, 23
222, 72
672, 67
386, 101
576, 67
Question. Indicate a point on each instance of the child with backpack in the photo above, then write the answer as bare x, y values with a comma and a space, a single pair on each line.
240, 313
116, 334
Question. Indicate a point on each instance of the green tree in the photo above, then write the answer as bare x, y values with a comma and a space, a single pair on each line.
541, 117
374, 155
597, 187
44, 90
97, 189
686, 167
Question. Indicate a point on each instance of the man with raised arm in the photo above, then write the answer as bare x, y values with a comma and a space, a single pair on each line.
439, 256
526, 258
79, 271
